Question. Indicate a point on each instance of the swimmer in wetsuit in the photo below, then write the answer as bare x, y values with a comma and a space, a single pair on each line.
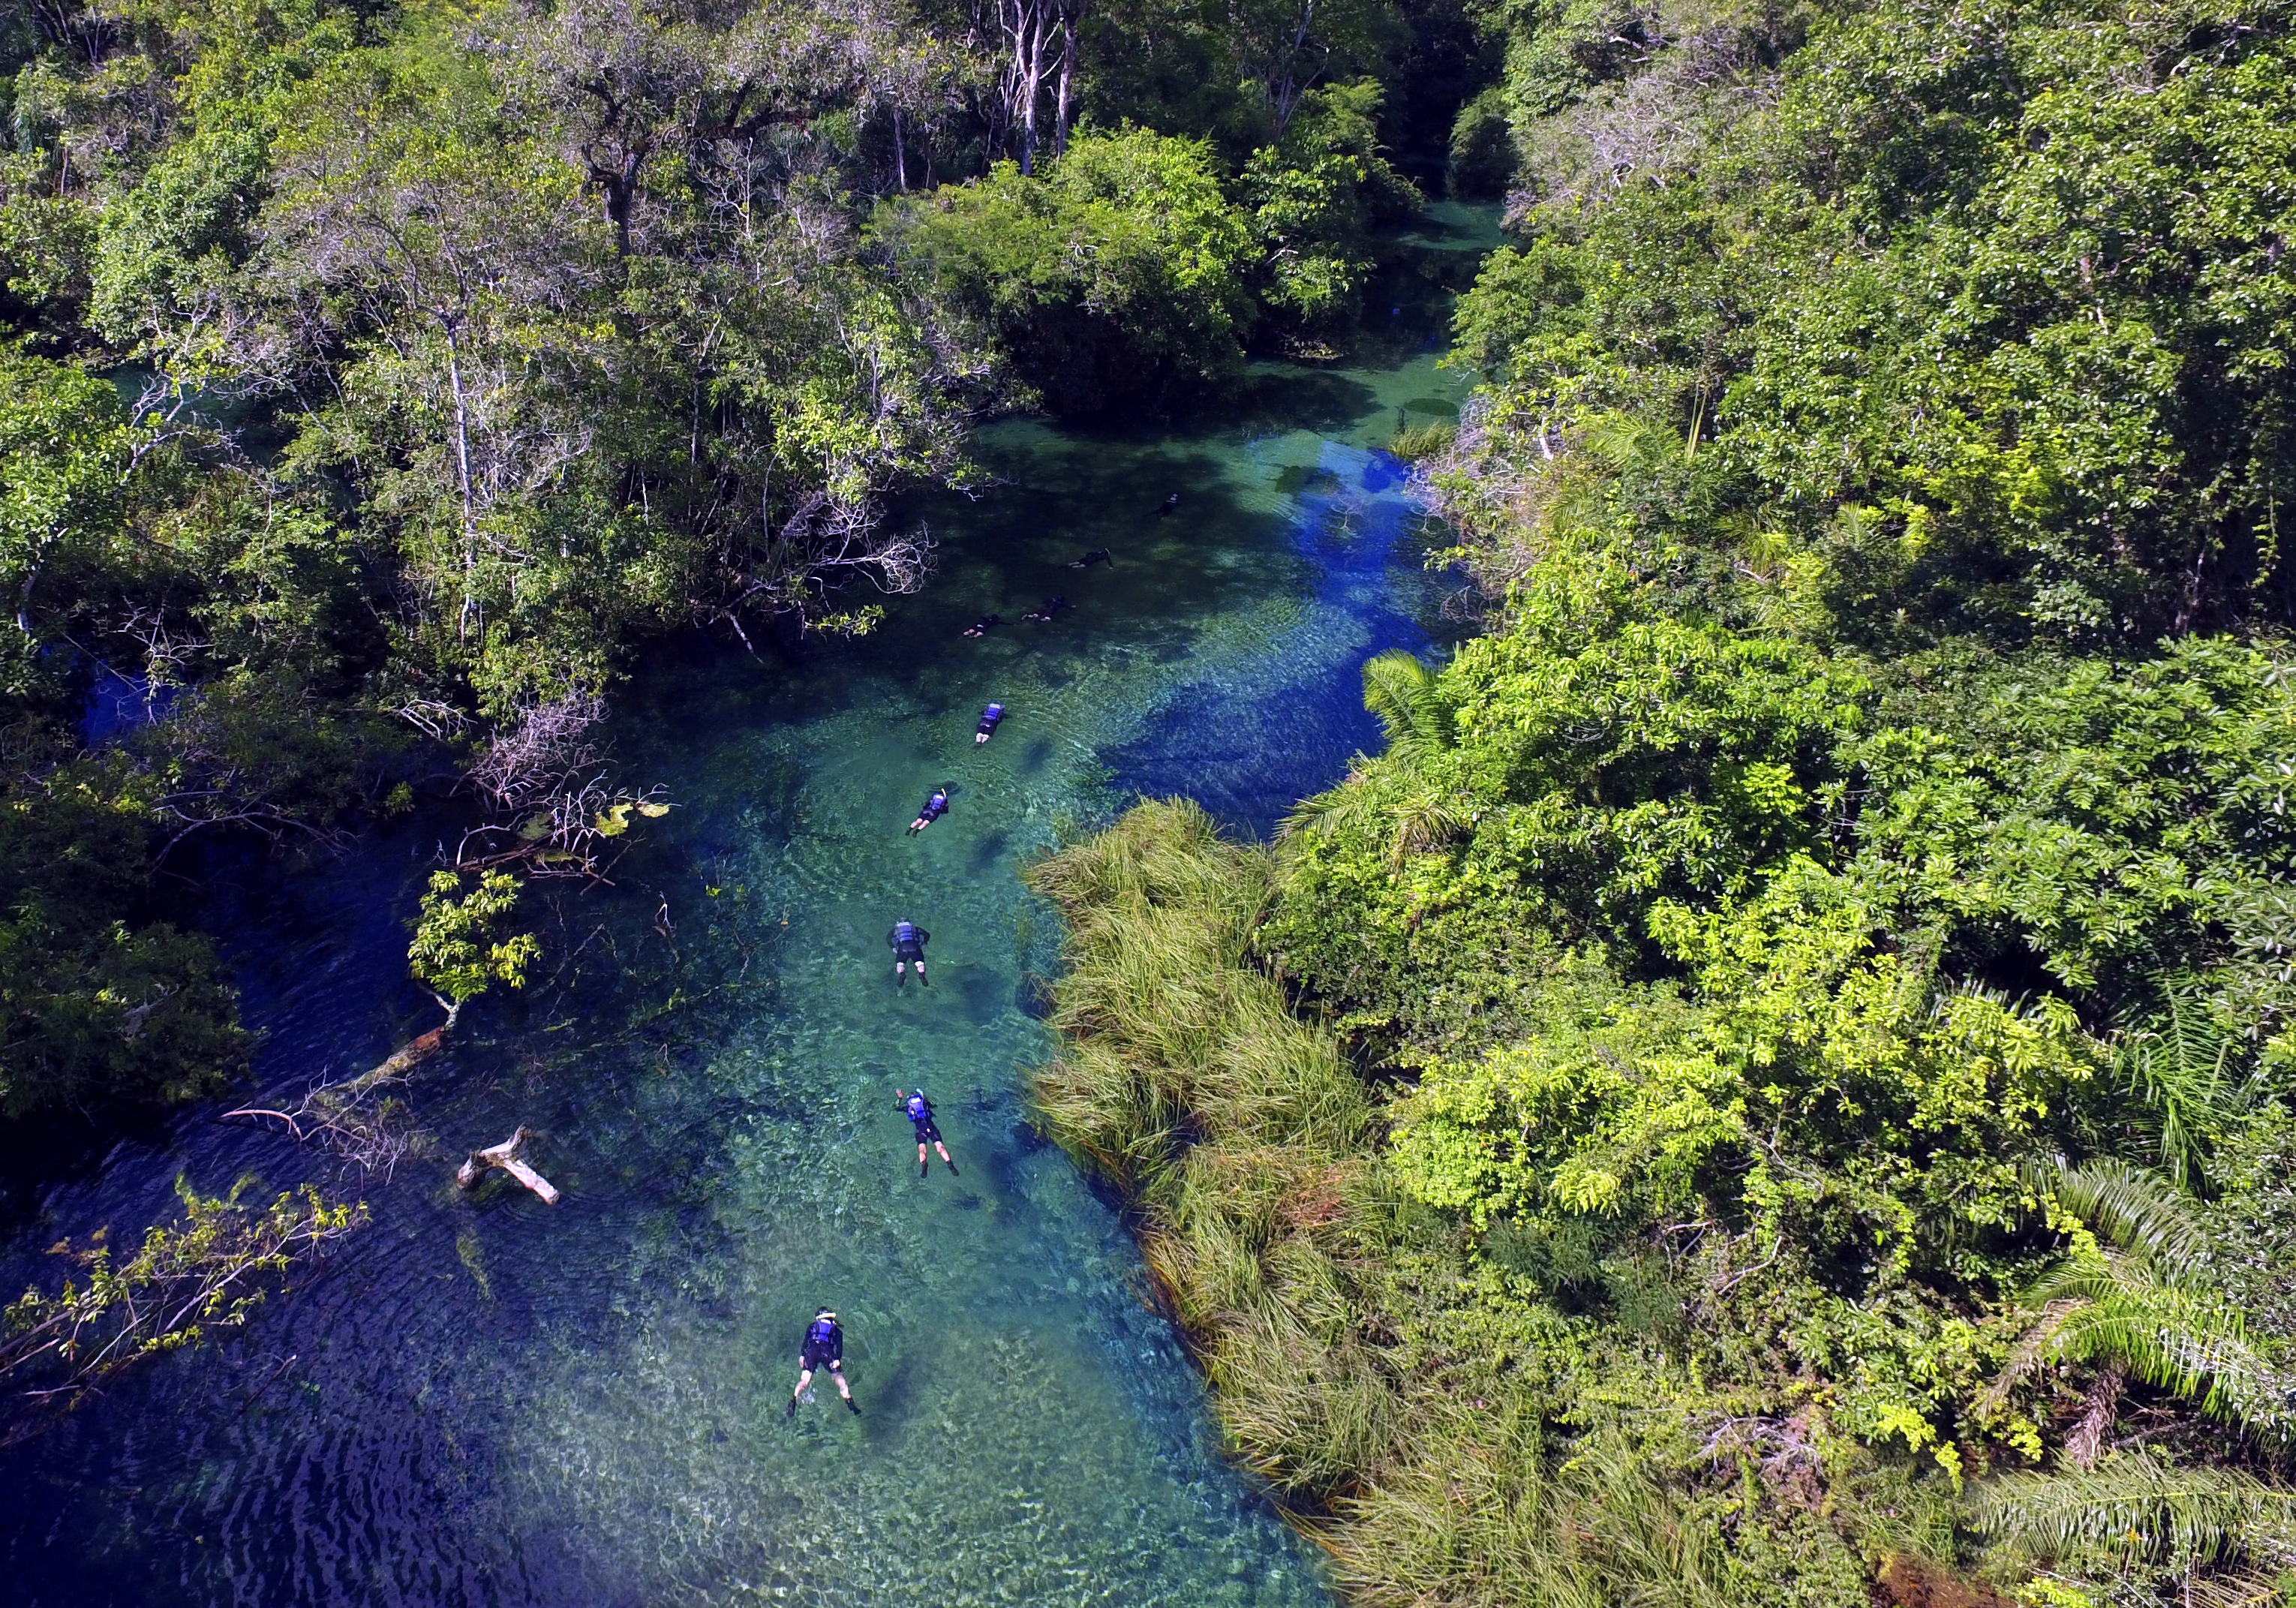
983, 625
921, 1118
934, 809
986, 729
908, 940
1170, 503
825, 1348
1098, 556
1052, 605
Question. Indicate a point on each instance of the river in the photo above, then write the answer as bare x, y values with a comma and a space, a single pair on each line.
486, 1401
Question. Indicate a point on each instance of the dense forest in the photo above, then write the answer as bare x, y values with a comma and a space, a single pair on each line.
1773, 1087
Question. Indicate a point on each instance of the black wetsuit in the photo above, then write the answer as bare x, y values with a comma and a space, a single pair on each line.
824, 1345
1098, 556
983, 625
935, 807
990, 717
913, 947
921, 1118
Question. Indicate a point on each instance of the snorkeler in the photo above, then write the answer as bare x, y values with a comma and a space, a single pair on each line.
983, 625
986, 729
1098, 556
1170, 503
825, 1348
908, 940
921, 1118
934, 809
1052, 605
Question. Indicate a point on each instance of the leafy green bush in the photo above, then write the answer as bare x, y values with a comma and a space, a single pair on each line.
1120, 270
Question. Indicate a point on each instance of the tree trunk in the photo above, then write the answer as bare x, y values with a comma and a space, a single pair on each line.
1029, 24
462, 475
1071, 26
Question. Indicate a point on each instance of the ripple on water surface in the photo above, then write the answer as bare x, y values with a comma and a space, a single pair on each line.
488, 1401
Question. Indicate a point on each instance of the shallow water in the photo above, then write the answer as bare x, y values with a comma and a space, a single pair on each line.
486, 1401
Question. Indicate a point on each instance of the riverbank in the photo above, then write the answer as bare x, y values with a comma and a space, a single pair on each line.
1446, 1442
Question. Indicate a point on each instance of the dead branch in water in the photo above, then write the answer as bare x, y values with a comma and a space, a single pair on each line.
559, 812
356, 1117
509, 1156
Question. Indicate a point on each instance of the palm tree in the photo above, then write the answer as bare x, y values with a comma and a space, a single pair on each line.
2133, 1299
2137, 1303
1406, 695
2132, 1508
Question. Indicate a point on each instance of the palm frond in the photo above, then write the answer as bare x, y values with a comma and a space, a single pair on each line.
1327, 815
1425, 820
1403, 692
2142, 1305
2180, 1068
2134, 1207
2132, 1505
2194, 1346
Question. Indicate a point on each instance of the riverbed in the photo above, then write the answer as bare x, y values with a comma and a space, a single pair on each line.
486, 1401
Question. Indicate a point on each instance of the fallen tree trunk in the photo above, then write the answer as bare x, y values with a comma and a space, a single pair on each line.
505, 1155
354, 1119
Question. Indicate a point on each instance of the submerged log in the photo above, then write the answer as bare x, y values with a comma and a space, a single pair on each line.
505, 1155
357, 1118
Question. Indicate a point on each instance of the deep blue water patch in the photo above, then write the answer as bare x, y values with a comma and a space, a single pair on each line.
1248, 746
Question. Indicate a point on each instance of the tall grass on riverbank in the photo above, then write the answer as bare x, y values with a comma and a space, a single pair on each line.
1448, 1450
1237, 1128
1246, 1142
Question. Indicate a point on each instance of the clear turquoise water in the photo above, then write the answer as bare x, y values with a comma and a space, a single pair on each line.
491, 1401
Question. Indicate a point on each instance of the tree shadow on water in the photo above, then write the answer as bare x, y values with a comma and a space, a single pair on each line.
1325, 401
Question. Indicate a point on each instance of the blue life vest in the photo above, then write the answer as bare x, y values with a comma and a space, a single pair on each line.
918, 1110
994, 712
822, 1333
905, 932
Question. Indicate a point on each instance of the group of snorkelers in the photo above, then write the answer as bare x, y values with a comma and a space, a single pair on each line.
824, 1349
1044, 613
825, 1337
